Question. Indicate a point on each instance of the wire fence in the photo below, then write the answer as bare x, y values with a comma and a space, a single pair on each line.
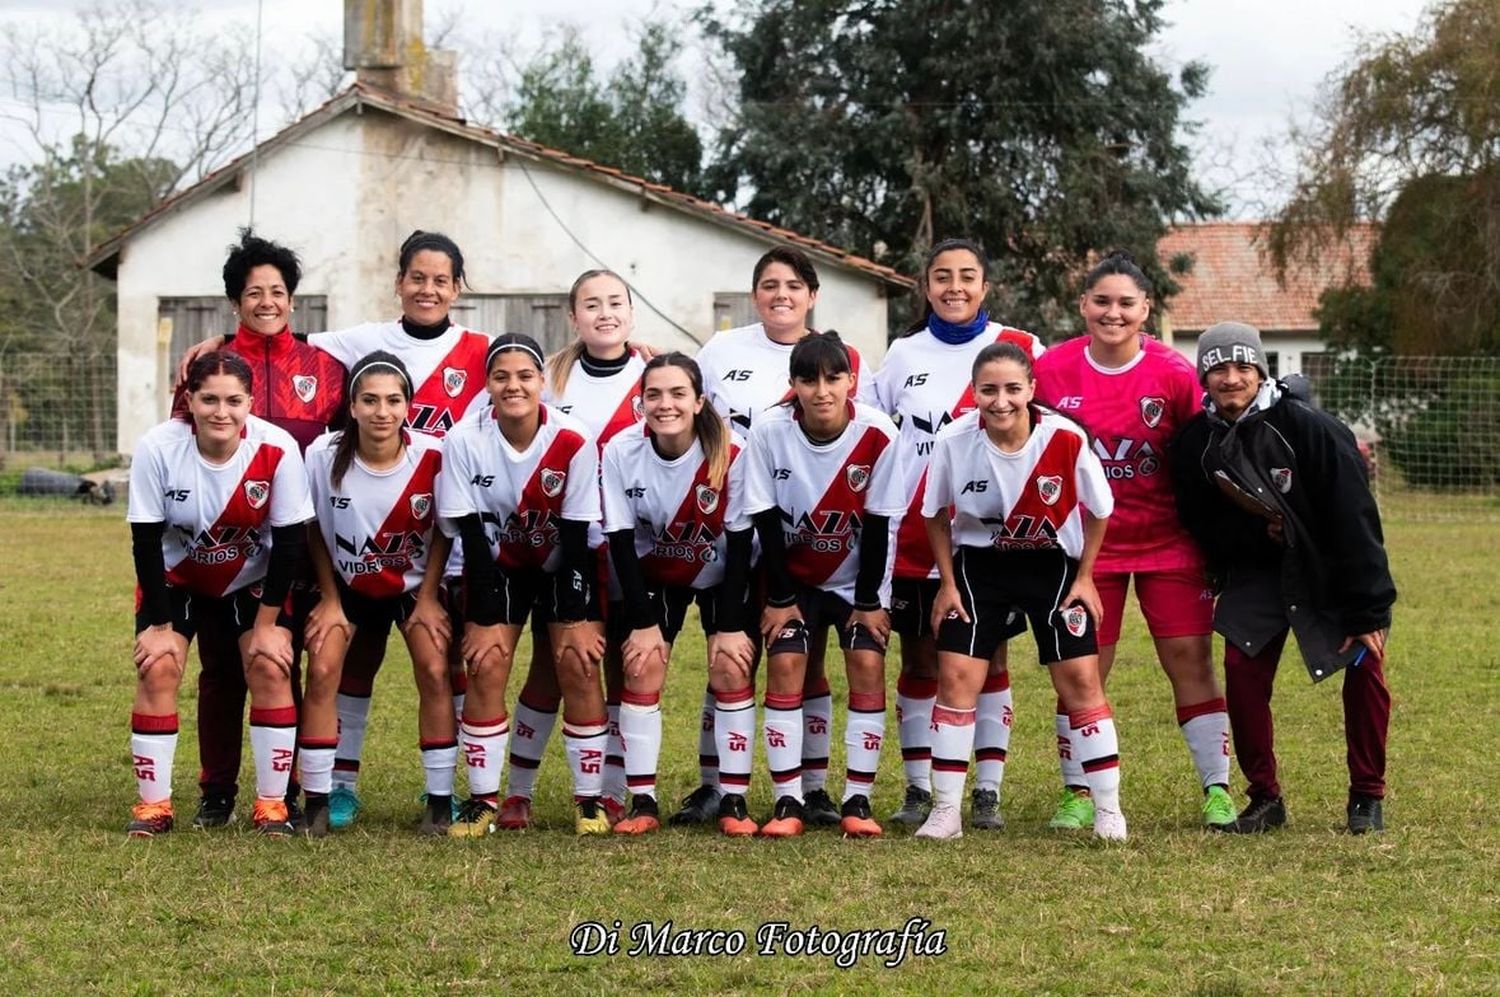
57, 420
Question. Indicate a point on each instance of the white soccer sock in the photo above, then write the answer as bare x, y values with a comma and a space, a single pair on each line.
483, 742
439, 759
1205, 728
153, 746
585, 744
315, 763
817, 736
354, 720
864, 731
1067, 754
614, 755
1098, 751
992, 732
734, 731
533, 727
708, 746
952, 741
273, 741
640, 733
914, 699
782, 727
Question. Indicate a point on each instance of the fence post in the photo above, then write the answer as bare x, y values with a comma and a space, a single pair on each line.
1377, 448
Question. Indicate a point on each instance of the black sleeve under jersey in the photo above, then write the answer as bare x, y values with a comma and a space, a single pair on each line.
481, 595
288, 551
874, 547
151, 571
576, 576
731, 607
628, 566
781, 590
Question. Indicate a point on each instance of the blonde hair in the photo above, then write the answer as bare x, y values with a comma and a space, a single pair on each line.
560, 364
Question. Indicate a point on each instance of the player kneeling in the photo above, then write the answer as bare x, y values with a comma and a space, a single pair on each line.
1029, 506
378, 561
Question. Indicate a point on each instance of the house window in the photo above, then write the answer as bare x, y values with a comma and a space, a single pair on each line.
544, 317
1273, 363
195, 319
733, 309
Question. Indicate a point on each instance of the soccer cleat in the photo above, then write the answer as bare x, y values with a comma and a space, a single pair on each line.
914, 810
1109, 825
943, 823
315, 817
1260, 816
734, 817
818, 809
294, 814
855, 818
343, 807
698, 807
515, 814
786, 821
437, 816
1218, 809
589, 816
1364, 814
643, 818
984, 811
614, 810
214, 810
1075, 811
147, 820
475, 819
271, 818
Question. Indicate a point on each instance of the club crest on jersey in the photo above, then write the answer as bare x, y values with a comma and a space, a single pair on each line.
1049, 487
552, 481
1151, 411
306, 386
858, 475
256, 493
707, 499
454, 379
1281, 477
637, 407
421, 505
1076, 619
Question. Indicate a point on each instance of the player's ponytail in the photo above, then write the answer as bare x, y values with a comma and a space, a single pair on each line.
708, 426
346, 444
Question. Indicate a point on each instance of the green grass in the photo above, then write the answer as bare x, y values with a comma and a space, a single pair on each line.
1174, 909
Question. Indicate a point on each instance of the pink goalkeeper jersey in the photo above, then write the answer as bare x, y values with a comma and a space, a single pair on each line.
1132, 413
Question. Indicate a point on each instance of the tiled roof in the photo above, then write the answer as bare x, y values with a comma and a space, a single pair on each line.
103, 259
1232, 280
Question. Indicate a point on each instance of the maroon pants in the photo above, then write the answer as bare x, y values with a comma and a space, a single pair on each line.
221, 708
1367, 716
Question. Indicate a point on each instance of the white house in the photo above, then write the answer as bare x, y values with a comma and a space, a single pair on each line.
348, 182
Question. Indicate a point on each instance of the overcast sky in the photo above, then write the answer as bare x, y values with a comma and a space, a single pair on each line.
1267, 57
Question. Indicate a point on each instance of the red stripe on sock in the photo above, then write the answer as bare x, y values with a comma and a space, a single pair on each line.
868, 702
638, 781
788, 701
640, 698
434, 744
953, 718
147, 723
816, 689
469, 721
1203, 709
916, 688
1100, 764
317, 742
734, 696
996, 683
541, 706
945, 765
1082, 718
276, 716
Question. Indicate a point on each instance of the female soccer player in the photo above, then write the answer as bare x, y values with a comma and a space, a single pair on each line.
823, 484
520, 485
1016, 506
217, 503
597, 381
1134, 395
674, 514
924, 384
378, 561
744, 374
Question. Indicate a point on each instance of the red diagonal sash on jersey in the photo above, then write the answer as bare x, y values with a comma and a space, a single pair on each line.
538, 513
627, 414
441, 400
402, 520
1056, 464
809, 564
238, 517
690, 526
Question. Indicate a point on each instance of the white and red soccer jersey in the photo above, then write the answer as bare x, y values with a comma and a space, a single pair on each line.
680, 520
218, 516
924, 384
605, 405
825, 490
1029, 500
377, 525
1133, 412
447, 372
745, 372
521, 496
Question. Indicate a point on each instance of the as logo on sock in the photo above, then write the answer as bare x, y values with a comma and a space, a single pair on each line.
775, 738
817, 725
738, 741
474, 755
872, 741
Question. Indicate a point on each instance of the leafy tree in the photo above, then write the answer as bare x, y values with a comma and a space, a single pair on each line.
1041, 128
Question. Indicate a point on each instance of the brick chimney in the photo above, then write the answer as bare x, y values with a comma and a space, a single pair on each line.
383, 45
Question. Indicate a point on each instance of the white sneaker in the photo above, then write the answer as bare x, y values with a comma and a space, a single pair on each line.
1109, 825
945, 822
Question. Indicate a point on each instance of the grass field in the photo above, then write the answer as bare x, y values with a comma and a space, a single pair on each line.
1173, 910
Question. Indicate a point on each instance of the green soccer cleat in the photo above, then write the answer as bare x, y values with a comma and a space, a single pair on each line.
343, 807
1075, 812
1218, 809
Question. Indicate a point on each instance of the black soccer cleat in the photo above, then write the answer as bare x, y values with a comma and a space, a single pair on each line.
1262, 815
818, 809
914, 809
437, 816
1364, 814
314, 822
214, 810
701, 806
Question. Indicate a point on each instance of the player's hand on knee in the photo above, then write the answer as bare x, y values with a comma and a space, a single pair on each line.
273, 643
155, 644
324, 619
947, 603
478, 641
431, 616
734, 650
775, 619
876, 621
641, 648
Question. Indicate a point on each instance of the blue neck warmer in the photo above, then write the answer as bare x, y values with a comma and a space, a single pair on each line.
957, 335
